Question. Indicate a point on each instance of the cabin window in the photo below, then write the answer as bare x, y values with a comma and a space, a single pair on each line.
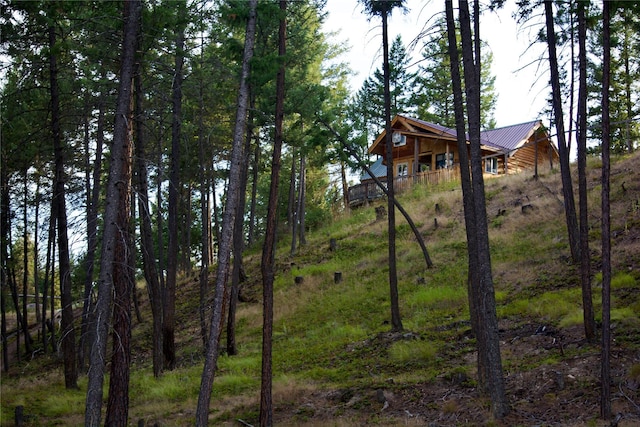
402, 169
491, 165
442, 162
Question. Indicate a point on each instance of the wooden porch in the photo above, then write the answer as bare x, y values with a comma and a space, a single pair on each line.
365, 192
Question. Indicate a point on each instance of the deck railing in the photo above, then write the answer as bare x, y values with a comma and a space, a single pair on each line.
363, 193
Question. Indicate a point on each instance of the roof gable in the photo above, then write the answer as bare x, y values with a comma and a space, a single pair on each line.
510, 137
506, 138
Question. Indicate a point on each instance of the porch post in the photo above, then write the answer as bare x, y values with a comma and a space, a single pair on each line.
416, 150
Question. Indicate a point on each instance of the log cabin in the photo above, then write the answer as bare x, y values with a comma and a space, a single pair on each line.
428, 153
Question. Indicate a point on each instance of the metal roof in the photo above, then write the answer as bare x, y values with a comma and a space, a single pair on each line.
510, 137
505, 138
378, 169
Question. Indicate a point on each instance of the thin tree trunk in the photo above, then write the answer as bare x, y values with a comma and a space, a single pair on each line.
205, 257
4, 258
118, 401
269, 248
48, 266
465, 172
168, 324
11, 280
68, 332
52, 278
149, 266
93, 200
565, 171
293, 205
302, 195
490, 376
254, 193
133, 258
25, 270
345, 186
605, 377
36, 255
160, 222
396, 321
585, 256
119, 164
237, 274
3, 321
228, 221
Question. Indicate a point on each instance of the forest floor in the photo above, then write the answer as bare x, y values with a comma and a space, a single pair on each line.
552, 375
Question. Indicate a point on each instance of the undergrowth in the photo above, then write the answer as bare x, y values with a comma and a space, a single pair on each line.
335, 336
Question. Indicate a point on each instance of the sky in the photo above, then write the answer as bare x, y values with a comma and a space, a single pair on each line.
522, 90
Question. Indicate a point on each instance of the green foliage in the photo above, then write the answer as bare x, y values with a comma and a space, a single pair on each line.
550, 306
412, 352
433, 91
623, 280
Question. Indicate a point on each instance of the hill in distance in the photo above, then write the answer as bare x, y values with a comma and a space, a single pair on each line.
336, 363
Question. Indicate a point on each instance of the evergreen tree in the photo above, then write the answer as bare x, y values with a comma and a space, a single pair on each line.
433, 87
370, 98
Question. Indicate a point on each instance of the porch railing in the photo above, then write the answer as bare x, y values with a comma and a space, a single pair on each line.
361, 194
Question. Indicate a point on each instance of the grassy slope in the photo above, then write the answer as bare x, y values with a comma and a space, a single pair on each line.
335, 363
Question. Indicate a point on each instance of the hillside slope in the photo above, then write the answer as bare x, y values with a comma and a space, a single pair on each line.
337, 364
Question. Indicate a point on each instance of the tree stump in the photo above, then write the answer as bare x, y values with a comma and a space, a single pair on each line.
298, 280
437, 208
337, 277
527, 208
381, 213
19, 416
333, 245
435, 223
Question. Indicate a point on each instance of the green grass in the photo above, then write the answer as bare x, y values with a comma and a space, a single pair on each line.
330, 335
412, 352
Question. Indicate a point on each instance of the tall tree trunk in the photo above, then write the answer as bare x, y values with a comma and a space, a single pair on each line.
605, 377
11, 279
302, 195
168, 324
585, 256
68, 331
269, 248
118, 401
345, 186
25, 269
3, 322
49, 267
237, 274
93, 200
160, 223
4, 258
149, 266
465, 172
203, 159
293, 205
565, 171
254, 193
119, 166
482, 297
225, 242
36, 254
396, 321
